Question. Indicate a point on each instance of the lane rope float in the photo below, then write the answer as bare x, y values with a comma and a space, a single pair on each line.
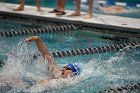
122, 89
94, 50
49, 29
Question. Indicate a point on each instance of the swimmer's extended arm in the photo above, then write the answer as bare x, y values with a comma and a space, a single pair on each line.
42, 48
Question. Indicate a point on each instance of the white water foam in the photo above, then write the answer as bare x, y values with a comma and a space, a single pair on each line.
19, 65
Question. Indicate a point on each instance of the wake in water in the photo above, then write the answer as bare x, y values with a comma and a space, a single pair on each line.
20, 66
119, 69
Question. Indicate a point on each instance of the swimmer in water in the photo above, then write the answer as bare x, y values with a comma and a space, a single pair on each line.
113, 9
109, 9
70, 70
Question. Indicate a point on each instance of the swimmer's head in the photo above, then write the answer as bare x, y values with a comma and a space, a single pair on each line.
71, 68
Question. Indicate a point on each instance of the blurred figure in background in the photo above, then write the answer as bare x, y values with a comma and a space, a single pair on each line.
113, 9
60, 10
77, 11
22, 4
108, 8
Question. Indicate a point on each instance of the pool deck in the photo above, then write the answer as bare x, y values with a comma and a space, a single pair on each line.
98, 20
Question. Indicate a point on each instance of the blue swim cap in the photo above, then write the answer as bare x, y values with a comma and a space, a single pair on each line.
75, 69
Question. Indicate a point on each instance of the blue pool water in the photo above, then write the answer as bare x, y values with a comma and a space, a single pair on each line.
133, 12
99, 71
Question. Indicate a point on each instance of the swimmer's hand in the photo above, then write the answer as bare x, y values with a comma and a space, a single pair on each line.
30, 39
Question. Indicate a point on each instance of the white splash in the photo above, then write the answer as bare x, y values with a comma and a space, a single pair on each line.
19, 65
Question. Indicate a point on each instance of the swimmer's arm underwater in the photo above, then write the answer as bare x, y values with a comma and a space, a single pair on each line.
42, 48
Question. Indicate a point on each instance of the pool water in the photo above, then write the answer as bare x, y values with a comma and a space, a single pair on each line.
132, 12
99, 71
129, 1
